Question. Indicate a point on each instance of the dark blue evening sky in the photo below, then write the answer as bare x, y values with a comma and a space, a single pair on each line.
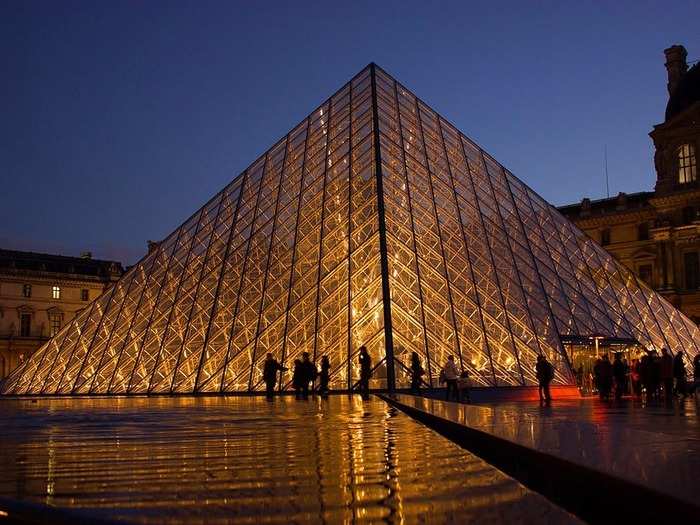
120, 119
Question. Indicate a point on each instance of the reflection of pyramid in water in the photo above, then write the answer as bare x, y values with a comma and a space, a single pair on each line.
373, 222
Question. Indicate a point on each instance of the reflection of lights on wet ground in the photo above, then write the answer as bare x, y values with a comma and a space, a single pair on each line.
242, 458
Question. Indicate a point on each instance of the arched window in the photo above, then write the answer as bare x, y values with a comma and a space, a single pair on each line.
687, 165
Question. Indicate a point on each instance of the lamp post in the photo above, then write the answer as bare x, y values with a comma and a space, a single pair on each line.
596, 342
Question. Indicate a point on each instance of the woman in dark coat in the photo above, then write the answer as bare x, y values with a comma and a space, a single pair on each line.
365, 370
325, 375
416, 372
679, 374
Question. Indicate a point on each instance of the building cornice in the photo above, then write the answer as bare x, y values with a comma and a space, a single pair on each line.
618, 217
54, 278
672, 200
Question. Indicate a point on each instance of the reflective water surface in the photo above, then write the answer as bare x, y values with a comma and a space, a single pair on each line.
657, 445
244, 460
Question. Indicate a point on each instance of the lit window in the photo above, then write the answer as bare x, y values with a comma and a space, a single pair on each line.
687, 168
84, 294
692, 270
605, 237
27, 290
644, 271
54, 324
56, 292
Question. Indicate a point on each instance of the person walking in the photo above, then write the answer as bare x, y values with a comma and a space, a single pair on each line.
416, 372
365, 371
451, 374
545, 373
606, 378
667, 374
679, 374
325, 375
309, 373
270, 369
619, 372
696, 373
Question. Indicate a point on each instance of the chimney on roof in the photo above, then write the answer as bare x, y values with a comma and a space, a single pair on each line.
585, 207
621, 203
676, 66
86, 255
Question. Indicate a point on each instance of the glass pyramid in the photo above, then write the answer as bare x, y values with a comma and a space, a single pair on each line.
373, 222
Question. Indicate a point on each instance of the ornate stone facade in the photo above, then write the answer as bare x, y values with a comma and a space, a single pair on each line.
40, 293
657, 234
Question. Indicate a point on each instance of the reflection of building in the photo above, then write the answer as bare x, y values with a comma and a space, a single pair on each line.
40, 293
657, 234
373, 222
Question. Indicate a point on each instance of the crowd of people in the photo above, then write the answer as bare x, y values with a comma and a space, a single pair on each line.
305, 373
654, 375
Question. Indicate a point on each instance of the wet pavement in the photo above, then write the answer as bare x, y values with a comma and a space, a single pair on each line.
244, 460
656, 446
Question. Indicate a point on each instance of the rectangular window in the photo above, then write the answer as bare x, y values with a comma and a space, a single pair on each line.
687, 168
692, 270
645, 271
605, 237
56, 292
84, 295
27, 290
54, 324
25, 324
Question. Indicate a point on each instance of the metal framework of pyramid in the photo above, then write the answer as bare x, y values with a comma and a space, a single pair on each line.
373, 222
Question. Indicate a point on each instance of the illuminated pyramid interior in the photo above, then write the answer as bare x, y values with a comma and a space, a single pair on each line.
373, 222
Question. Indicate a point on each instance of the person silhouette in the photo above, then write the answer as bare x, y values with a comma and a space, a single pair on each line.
325, 375
270, 369
545, 373
365, 371
666, 367
416, 372
619, 370
308, 374
679, 374
451, 374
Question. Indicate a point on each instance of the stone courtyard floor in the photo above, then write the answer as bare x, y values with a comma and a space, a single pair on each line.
633, 448
245, 460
